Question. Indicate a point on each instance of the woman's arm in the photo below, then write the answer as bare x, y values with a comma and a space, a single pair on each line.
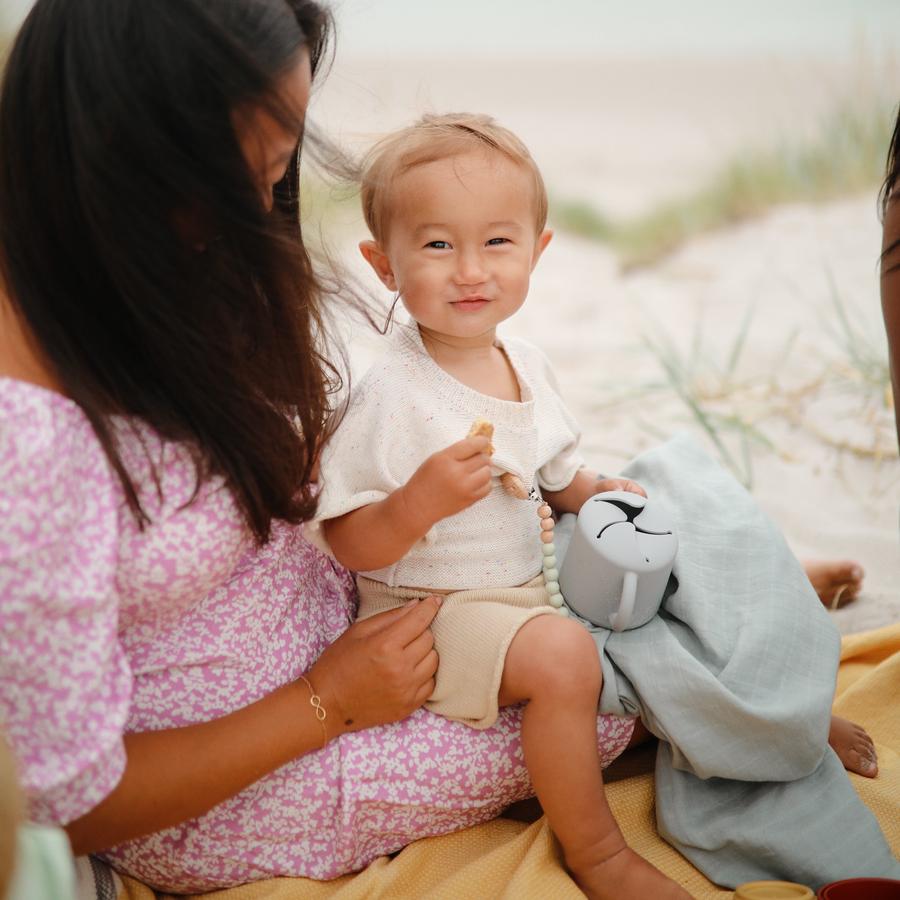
890, 296
378, 671
583, 486
180, 773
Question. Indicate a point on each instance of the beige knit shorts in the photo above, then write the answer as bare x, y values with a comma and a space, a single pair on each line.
472, 632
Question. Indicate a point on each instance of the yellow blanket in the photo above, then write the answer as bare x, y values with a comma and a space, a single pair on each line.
513, 859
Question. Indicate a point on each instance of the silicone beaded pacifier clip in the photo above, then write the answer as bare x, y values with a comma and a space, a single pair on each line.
548, 548
514, 486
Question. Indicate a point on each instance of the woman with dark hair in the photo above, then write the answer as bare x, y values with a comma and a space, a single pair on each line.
177, 675
890, 262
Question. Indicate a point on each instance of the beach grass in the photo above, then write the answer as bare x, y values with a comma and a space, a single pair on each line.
707, 383
737, 404
846, 156
865, 355
328, 205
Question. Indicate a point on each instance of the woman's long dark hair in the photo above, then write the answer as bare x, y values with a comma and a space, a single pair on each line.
888, 195
115, 125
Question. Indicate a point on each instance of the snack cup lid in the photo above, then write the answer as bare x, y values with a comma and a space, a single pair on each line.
773, 890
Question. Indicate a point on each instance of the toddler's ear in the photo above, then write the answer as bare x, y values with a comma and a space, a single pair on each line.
378, 260
544, 238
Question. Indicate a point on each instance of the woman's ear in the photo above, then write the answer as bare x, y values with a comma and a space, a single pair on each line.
378, 260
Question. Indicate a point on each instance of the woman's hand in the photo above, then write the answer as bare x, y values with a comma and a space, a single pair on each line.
380, 670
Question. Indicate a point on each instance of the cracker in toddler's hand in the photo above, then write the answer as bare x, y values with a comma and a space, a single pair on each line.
483, 428
512, 484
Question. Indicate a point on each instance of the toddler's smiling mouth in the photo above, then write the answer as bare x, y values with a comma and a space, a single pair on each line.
471, 303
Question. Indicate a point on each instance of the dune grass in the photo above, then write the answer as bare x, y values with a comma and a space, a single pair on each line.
867, 365
846, 156
734, 402
328, 204
705, 379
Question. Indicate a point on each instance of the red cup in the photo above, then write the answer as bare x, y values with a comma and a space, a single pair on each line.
861, 889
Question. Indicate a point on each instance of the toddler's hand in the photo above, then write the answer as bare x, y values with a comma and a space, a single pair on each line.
618, 484
450, 480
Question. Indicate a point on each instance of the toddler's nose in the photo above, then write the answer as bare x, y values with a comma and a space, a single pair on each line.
470, 269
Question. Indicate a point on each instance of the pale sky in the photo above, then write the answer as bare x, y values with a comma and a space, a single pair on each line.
608, 27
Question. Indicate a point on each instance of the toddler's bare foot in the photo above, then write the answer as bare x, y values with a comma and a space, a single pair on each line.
837, 582
626, 876
853, 746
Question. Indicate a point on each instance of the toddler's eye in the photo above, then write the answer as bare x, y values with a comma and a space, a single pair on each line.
439, 245
496, 242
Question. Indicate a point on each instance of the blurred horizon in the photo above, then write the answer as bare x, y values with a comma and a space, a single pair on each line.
631, 108
506, 29
585, 28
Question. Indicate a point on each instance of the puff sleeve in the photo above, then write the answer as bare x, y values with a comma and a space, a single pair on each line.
65, 683
565, 458
368, 457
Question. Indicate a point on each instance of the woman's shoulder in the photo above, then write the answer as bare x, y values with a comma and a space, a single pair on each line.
40, 427
52, 467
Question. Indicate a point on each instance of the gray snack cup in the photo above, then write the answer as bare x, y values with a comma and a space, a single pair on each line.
618, 560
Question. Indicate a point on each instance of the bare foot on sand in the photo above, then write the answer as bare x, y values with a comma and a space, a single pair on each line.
626, 876
853, 746
837, 582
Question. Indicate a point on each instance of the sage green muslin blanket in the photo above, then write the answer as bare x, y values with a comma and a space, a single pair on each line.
736, 677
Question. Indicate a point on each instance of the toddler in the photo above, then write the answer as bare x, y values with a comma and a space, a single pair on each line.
457, 210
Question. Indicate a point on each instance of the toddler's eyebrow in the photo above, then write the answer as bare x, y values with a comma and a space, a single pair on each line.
427, 226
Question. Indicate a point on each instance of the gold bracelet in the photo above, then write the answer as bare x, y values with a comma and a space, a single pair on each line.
315, 701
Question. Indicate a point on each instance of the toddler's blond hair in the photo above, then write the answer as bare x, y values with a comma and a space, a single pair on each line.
432, 138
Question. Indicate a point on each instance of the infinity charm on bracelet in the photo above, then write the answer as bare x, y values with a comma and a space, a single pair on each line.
315, 701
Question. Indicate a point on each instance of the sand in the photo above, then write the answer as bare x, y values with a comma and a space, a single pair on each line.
821, 454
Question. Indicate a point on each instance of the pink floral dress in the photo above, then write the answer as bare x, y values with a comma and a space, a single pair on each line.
106, 629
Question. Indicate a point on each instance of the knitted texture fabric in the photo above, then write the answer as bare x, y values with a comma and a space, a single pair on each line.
405, 409
472, 632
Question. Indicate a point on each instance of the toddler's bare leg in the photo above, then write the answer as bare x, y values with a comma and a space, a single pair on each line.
552, 663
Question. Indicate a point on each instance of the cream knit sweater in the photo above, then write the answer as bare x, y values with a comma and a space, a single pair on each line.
406, 408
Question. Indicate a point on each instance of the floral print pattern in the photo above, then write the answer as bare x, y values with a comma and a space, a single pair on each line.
106, 628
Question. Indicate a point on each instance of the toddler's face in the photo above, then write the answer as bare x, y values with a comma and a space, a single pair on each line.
462, 242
